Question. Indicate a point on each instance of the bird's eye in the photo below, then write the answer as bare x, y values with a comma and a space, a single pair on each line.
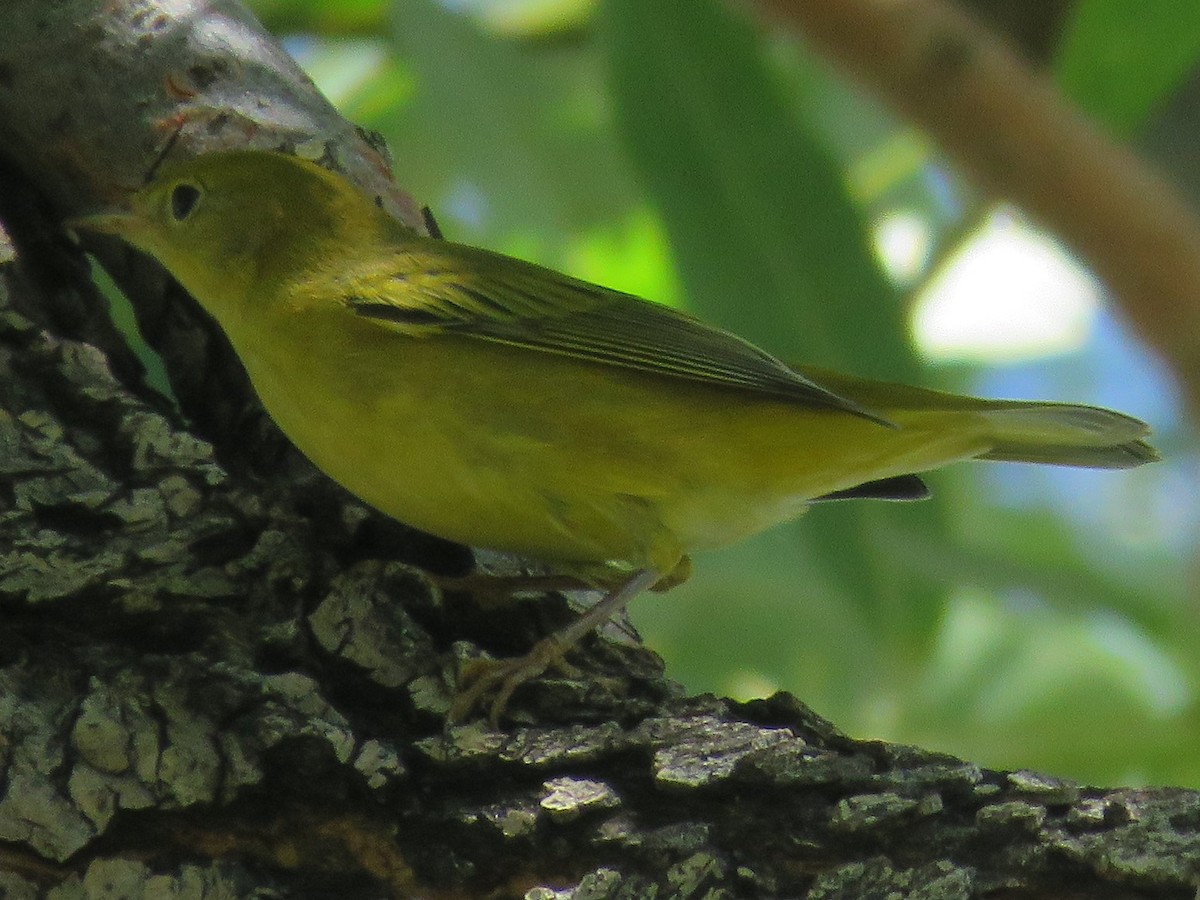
183, 200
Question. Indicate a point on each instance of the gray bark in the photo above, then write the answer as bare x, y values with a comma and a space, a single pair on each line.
222, 676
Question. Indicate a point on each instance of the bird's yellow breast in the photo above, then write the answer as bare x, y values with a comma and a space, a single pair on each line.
529, 452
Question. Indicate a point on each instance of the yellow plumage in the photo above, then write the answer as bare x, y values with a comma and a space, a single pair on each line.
501, 404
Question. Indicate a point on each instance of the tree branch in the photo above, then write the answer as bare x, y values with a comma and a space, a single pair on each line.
1012, 131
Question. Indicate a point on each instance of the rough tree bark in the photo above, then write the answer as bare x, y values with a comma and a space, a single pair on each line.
222, 676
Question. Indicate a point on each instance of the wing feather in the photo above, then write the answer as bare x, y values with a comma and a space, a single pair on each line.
440, 287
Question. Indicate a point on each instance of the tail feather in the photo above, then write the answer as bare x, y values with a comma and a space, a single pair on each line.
1119, 456
1061, 434
1065, 435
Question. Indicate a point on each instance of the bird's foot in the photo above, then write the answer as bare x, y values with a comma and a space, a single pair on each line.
502, 677
499, 678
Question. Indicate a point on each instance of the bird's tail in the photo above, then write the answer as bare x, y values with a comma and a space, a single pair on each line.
1061, 434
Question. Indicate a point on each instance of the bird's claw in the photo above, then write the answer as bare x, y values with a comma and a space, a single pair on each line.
501, 678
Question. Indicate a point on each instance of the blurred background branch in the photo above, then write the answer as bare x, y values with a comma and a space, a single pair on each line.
1012, 130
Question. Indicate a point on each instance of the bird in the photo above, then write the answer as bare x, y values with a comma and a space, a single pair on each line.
498, 403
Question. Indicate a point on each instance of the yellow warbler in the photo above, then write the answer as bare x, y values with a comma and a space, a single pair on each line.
501, 404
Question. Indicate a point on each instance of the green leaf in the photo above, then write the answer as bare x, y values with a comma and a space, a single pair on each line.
1121, 58
767, 238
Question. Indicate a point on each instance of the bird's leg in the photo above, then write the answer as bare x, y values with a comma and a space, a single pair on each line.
504, 676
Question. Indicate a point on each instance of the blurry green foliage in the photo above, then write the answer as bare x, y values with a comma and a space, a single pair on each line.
512, 145
341, 18
1121, 58
679, 150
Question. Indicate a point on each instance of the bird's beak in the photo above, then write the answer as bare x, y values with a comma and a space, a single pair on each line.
118, 223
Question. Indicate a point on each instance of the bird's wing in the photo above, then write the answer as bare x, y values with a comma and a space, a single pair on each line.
436, 287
